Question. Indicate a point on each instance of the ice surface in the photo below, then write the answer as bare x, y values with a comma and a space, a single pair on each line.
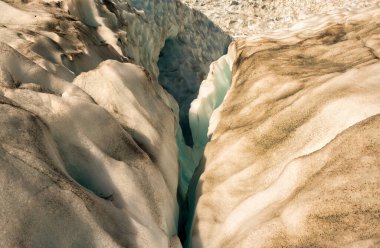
84, 76
291, 157
90, 139
243, 18
126, 92
16, 70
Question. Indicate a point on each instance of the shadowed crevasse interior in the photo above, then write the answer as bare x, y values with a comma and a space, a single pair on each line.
185, 79
181, 76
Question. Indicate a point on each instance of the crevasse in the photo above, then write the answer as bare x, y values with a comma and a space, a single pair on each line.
203, 109
203, 119
121, 55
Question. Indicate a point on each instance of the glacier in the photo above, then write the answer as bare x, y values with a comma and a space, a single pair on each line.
130, 123
95, 144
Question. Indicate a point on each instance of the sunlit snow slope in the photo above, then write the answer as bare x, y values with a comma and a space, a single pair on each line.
293, 152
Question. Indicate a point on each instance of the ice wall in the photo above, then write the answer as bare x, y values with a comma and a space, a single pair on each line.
97, 151
174, 43
203, 117
176, 49
211, 95
203, 109
293, 160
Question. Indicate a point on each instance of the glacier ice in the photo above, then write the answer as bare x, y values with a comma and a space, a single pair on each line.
292, 157
211, 94
202, 113
95, 97
79, 80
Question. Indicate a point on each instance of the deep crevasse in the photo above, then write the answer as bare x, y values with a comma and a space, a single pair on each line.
203, 109
145, 35
203, 118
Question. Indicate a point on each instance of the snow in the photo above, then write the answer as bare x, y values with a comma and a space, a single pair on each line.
14, 16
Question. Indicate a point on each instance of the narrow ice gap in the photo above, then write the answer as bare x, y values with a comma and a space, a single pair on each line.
204, 115
203, 119
180, 78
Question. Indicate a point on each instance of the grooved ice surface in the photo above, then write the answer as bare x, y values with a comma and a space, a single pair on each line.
88, 154
293, 159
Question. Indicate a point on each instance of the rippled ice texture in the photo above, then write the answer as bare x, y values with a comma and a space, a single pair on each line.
245, 17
